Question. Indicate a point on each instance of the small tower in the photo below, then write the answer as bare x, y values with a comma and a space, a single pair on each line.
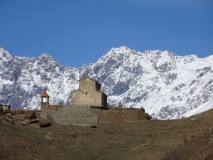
44, 100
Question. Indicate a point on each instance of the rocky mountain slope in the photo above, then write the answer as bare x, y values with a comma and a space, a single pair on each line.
166, 85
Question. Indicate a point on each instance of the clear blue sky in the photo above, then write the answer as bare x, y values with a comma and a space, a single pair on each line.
77, 32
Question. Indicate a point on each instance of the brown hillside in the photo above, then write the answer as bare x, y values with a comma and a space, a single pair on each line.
184, 139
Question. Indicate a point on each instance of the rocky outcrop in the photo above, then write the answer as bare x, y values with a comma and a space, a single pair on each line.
25, 118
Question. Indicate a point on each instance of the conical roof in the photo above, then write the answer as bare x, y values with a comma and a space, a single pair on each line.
44, 94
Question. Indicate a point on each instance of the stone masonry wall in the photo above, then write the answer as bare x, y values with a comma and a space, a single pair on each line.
89, 116
92, 98
88, 85
73, 115
115, 115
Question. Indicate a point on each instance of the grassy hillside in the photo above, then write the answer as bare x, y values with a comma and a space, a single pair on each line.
185, 139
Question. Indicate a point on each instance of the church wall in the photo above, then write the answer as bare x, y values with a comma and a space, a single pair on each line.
89, 94
90, 98
87, 85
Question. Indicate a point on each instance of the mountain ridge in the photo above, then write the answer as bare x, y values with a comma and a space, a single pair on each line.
166, 85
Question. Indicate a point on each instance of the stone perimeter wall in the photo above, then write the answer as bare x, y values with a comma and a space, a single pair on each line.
114, 115
89, 116
72, 115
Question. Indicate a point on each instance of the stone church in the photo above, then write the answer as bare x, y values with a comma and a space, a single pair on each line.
89, 107
89, 94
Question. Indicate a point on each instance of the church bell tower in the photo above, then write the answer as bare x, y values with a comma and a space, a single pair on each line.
44, 100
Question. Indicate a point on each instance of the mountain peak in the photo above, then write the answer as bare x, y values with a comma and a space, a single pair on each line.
4, 54
45, 56
1, 48
117, 53
122, 49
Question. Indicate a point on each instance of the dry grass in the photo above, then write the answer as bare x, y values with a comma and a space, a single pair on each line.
144, 140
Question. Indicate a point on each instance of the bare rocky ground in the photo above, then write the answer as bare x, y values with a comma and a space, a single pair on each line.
24, 136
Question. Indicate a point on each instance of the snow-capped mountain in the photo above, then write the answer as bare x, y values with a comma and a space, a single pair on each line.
166, 85
23, 79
